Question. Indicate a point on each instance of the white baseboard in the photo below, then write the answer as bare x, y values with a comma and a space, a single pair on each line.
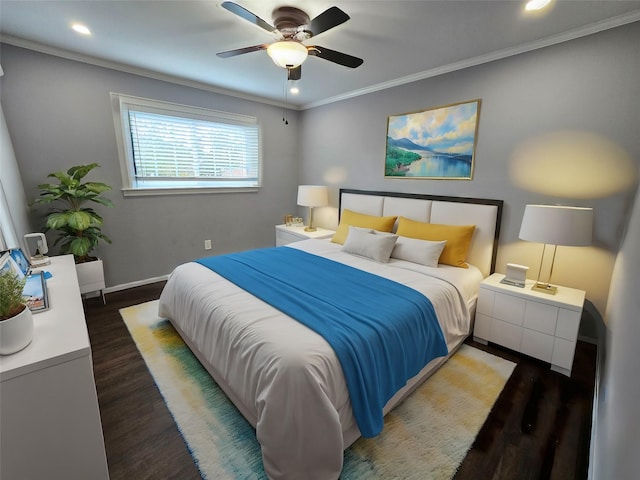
137, 283
594, 419
601, 354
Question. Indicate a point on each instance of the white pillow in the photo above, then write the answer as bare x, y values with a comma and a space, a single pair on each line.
367, 244
424, 252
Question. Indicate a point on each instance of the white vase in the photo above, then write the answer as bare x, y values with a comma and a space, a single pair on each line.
16, 332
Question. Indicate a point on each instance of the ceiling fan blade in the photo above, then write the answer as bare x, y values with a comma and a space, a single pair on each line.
330, 18
335, 57
240, 51
294, 73
247, 15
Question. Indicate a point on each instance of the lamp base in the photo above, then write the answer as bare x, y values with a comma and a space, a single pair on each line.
310, 229
545, 288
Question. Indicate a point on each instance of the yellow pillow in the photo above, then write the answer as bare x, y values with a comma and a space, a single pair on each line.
458, 238
349, 217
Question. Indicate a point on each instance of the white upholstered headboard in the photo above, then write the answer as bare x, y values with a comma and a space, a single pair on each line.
485, 214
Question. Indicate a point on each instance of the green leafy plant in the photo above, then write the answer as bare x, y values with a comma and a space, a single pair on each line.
79, 227
11, 300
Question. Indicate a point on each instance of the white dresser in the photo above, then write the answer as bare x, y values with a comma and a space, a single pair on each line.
537, 324
286, 235
49, 417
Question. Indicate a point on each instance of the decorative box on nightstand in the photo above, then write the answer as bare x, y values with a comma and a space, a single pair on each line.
286, 235
537, 324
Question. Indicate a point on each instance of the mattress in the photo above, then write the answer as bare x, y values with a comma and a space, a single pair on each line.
283, 377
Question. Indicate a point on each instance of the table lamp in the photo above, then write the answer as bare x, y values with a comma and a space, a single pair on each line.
555, 225
312, 196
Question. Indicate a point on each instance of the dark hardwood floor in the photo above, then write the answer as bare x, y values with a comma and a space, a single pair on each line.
539, 428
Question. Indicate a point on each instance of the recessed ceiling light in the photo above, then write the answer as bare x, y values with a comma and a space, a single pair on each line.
536, 4
83, 29
294, 90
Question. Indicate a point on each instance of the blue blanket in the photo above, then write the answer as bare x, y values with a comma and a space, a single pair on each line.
382, 332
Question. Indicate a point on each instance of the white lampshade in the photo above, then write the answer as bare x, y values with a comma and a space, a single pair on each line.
287, 53
313, 196
557, 225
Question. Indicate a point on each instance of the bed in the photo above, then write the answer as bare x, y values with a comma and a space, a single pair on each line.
285, 378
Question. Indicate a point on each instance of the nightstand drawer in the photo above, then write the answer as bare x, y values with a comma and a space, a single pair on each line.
509, 309
482, 328
485, 302
506, 334
538, 345
568, 324
284, 238
563, 352
541, 317
286, 235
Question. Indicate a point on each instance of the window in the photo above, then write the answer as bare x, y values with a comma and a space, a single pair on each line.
171, 148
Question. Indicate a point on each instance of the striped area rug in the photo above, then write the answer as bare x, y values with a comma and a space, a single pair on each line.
425, 437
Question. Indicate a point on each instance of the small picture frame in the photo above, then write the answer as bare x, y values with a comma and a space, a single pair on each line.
21, 261
516, 275
4, 261
36, 292
7, 262
35, 288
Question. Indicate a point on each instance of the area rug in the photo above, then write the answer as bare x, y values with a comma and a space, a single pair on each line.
425, 437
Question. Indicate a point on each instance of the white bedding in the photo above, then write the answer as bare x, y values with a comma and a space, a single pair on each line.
282, 376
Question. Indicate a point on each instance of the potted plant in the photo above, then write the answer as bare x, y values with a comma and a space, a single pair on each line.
79, 226
16, 322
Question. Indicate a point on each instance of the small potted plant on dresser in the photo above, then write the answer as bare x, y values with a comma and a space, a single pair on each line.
16, 322
79, 227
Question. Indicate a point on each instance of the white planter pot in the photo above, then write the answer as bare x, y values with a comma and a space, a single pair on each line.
16, 333
90, 276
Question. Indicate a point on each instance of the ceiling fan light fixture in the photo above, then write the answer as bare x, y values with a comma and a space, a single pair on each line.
287, 53
533, 5
80, 28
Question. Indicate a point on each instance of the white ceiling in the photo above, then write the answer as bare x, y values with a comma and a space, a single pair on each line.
400, 41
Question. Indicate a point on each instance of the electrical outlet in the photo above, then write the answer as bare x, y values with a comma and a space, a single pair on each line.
207, 244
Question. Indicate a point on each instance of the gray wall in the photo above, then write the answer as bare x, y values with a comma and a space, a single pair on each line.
586, 90
614, 452
59, 115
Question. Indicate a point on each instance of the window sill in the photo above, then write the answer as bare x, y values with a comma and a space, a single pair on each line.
145, 192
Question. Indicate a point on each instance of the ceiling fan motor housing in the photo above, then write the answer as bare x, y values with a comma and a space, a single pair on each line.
288, 20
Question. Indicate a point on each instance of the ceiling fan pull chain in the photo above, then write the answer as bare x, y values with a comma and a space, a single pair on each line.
284, 109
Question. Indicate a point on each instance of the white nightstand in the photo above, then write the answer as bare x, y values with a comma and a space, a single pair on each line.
537, 324
285, 235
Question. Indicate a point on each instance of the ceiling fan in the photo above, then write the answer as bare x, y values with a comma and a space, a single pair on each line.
292, 27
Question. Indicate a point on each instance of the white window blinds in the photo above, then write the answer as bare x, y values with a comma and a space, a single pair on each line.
171, 146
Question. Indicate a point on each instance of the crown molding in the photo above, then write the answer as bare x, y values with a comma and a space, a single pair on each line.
490, 57
610, 23
143, 72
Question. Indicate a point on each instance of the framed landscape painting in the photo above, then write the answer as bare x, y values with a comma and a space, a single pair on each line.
438, 143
